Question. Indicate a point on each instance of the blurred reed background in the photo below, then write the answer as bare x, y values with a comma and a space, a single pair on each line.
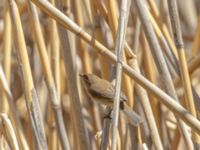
45, 45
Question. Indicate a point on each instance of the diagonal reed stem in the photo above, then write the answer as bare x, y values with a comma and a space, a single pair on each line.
157, 92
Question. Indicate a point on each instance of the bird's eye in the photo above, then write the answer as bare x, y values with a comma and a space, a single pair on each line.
85, 77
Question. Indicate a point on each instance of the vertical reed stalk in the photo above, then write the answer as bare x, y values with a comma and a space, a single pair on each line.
174, 16
151, 88
70, 68
55, 101
160, 62
123, 21
30, 93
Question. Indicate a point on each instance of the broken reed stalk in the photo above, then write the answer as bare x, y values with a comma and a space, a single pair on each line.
151, 88
120, 40
8, 131
174, 16
160, 63
70, 68
29, 90
55, 101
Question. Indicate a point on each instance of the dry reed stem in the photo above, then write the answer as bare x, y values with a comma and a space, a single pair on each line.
110, 16
133, 63
23, 6
176, 140
173, 59
55, 101
163, 26
142, 95
151, 75
106, 127
9, 99
120, 40
85, 57
7, 48
9, 131
113, 22
98, 27
174, 16
30, 93
73, 89
160, 63
193, 65
170, 55
105, 68
80, 43
196, 44
53, 141
55, 56
162, 96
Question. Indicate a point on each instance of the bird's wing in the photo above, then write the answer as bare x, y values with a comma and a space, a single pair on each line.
103, 92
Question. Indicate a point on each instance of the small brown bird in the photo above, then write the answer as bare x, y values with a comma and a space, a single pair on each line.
102, 91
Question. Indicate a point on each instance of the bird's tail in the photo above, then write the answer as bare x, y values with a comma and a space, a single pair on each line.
133, 117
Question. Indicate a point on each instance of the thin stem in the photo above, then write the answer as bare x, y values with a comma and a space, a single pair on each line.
174, 16
160, 62
30, 92
50, 82
123, 20
151, 88
70, 68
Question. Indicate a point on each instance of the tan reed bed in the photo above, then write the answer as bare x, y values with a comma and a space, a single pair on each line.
148, 49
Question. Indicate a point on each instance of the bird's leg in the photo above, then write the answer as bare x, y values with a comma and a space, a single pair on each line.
107, 114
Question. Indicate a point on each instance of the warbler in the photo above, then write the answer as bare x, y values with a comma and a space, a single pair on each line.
102, 91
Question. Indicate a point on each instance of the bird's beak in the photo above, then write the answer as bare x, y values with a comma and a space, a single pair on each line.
81, 75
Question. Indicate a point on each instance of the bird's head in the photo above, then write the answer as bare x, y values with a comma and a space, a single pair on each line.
89, 79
